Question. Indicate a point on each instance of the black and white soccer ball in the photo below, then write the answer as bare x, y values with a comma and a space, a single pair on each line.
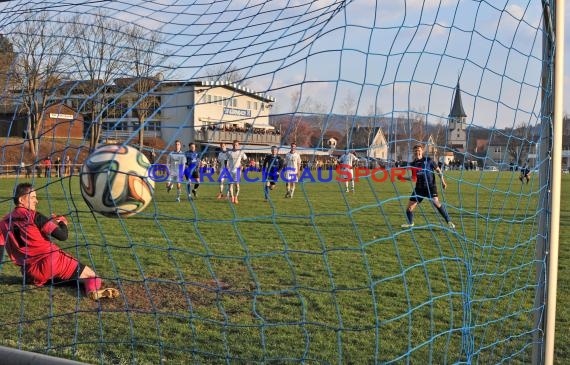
114, 181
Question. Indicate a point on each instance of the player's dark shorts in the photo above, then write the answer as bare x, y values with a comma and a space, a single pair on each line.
272, 178
419, 194
192, 173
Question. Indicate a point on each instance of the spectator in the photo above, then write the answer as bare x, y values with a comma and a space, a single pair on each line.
66, 166
47, 167
29, 171
57, 166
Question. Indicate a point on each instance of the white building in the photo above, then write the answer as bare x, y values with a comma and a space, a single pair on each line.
213, 112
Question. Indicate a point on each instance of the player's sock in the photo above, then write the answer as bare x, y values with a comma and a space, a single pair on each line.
266, 192
410, 216
92, 284
292, 191
443, 213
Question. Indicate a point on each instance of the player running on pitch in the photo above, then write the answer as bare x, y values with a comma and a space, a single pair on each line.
272, 165
176, 162
346, 164
223, 160
192, 171
235, 158
293, 165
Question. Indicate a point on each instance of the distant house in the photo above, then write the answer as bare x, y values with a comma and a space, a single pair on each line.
402, 147
58, 121
369, 141
505, 150
61, 121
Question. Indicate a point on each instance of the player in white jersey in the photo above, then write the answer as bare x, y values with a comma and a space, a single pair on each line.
176, 163
223, 160
292, 170
235, 159
346, 164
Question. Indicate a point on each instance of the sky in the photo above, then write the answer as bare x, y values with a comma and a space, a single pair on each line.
354, 57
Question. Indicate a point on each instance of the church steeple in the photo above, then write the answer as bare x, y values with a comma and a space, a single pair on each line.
457, 111
456, 136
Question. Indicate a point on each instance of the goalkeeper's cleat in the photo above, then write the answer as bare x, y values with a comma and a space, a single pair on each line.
451, 225
407, 225
110, 293
346, 191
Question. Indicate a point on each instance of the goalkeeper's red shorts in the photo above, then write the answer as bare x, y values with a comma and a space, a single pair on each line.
57, 265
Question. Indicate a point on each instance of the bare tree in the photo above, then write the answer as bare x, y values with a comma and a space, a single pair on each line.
7, 57
39, 67
98, 42
143, 53
349, 109
418, 128
519, 142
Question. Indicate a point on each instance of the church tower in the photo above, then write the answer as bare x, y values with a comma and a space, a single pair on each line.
456, 136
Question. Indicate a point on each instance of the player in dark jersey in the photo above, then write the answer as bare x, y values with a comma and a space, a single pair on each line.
25, 233
525, 174
425, 186
192, 171
272, 166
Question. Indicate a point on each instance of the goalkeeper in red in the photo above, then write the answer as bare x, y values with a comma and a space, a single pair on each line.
25, 234
425, 188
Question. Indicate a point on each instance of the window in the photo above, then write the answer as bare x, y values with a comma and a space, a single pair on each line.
234, 102
249, 104
115, 108
209, 98
148, 106
152, 126
255, 105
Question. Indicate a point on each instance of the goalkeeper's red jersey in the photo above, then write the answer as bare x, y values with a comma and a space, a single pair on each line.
25, 233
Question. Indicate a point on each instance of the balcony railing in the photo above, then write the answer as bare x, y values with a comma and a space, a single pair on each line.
121, 135
215, 136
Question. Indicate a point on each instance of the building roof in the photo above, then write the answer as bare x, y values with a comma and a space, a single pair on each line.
224, 84
457, 110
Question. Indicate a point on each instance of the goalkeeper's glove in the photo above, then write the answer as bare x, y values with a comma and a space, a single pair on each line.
59, 219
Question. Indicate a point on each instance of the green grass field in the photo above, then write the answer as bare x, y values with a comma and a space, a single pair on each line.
325, 277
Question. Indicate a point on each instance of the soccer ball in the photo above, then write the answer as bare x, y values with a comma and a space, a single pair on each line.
114, 181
